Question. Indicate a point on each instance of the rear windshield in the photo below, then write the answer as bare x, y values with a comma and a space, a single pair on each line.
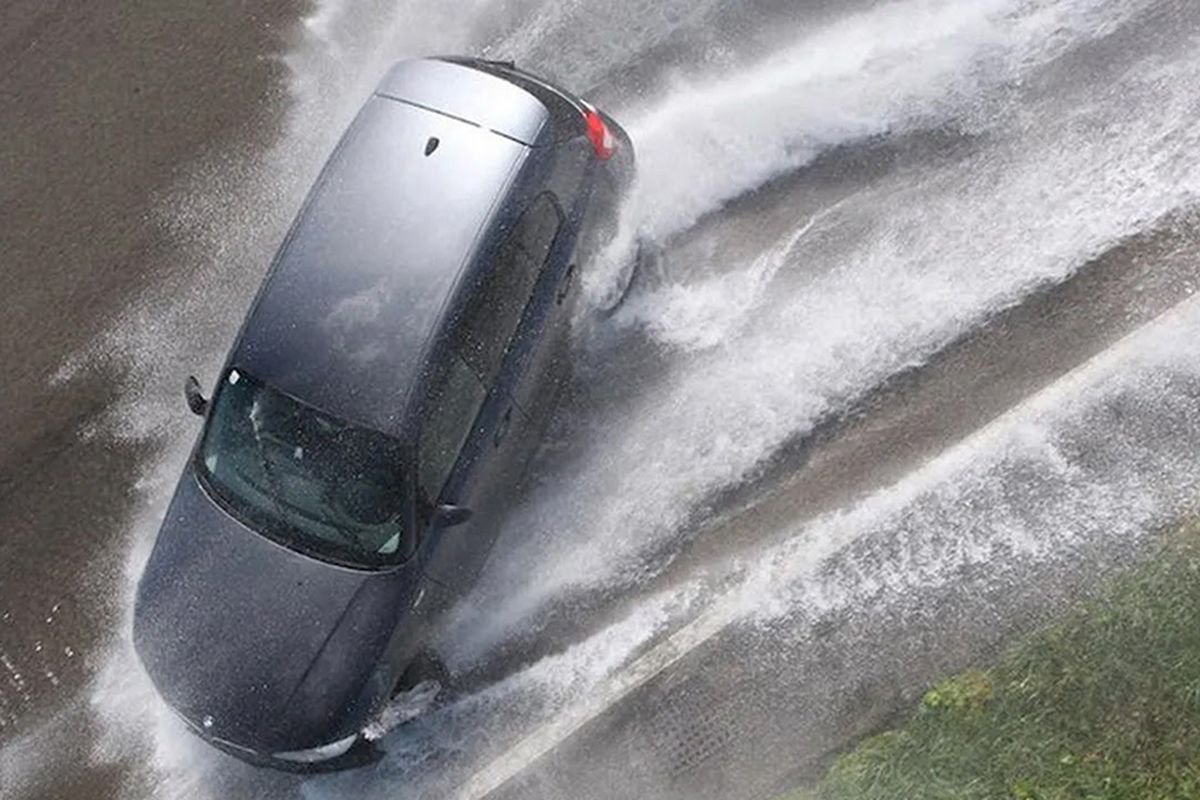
304, 478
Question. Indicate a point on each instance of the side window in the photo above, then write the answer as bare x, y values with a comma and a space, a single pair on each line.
499, 303
452, 414
487, 329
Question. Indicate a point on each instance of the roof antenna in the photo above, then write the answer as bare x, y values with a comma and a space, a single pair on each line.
431, 145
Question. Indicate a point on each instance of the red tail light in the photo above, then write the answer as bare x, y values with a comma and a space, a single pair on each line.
599, 135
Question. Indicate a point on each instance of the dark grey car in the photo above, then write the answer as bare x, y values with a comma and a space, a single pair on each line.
377, 408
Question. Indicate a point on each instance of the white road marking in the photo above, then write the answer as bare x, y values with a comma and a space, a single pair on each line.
663, 655
694, 634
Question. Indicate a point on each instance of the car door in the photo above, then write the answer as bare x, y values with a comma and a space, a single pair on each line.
461, 450
474, 443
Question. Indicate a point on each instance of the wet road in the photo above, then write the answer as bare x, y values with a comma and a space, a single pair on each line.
106, 107
874, 421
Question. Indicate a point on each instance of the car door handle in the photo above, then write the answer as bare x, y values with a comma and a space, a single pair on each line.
564, 288
502, 428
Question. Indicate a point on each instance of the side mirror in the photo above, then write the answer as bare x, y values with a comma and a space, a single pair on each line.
449, 516
195, 398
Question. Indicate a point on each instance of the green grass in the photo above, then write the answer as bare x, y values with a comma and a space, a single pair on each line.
1105, 704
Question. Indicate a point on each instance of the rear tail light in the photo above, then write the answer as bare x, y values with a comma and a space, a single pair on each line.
603, 142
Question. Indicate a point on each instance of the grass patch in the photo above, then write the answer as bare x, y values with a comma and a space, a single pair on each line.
1105, 704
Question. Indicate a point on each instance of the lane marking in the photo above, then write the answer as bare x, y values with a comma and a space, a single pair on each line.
554, 733
691, 636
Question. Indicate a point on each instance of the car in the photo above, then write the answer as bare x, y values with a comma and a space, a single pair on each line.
377, 409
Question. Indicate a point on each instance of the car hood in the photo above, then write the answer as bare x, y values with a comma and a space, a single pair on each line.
259, 645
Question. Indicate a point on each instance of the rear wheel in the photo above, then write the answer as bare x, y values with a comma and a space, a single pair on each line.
646, 271
650, 269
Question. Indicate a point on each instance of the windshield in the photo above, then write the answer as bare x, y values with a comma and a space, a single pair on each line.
304, 478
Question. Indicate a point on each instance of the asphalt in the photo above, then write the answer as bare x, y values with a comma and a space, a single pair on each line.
105, 108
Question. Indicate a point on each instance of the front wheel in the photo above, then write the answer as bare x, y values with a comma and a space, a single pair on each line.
422, 687
423, 671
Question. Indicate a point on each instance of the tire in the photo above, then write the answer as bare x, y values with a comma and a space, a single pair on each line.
647, 271
424, 668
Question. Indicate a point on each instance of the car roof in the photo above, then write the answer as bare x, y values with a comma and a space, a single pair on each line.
460, 89
358, 286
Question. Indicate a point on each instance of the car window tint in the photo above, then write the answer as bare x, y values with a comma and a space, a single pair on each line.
455, 406
495, 310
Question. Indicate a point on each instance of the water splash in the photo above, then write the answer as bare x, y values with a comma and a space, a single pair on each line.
1064, 171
